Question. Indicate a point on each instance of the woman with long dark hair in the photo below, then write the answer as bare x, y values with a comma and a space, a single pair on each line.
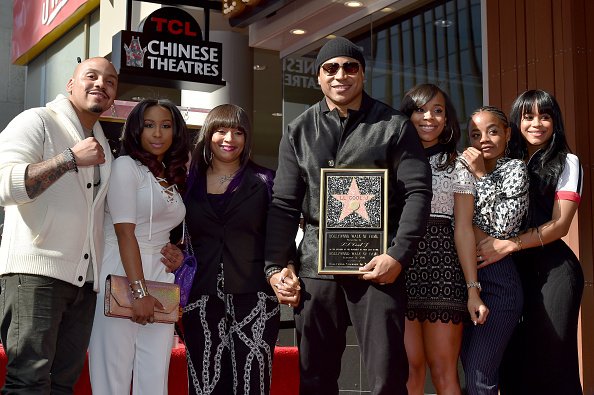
143, 205
436, 282
542, 355
232, 317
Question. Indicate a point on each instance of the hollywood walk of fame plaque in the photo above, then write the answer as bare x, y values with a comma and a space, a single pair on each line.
353, 218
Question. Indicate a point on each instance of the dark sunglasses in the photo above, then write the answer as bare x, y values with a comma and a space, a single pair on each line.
348, 67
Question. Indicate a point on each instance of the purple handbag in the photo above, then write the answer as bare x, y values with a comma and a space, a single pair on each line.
184, 275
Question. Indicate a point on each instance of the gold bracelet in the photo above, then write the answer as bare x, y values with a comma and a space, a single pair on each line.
539, 237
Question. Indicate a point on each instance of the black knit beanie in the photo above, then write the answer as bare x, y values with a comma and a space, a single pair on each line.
336, 47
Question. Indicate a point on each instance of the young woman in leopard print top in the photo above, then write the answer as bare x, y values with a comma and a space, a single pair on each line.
496, 204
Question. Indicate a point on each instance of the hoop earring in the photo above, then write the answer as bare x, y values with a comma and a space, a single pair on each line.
451, 136
208, 160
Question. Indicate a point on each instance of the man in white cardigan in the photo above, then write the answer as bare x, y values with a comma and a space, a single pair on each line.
54, 169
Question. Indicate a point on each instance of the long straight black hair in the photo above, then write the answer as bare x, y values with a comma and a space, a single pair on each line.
551, 161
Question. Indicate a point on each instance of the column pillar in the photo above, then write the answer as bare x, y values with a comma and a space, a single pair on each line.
237, 72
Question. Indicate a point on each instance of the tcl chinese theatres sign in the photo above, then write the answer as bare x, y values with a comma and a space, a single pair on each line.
168, 51
38, 23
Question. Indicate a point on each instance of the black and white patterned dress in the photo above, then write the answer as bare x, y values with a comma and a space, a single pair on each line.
435, 283
232, 343
231, 321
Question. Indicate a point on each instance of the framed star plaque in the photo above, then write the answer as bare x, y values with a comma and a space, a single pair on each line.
353, 218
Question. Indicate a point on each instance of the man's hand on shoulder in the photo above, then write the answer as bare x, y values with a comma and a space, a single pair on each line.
382, 269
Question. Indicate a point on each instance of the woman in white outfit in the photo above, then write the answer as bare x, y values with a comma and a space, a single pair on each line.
143, 205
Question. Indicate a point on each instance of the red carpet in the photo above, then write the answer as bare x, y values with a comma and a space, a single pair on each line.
285, 372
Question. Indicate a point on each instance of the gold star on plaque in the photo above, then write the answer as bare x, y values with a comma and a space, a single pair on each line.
353, 202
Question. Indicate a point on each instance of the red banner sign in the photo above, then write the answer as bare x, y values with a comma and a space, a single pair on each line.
34, 21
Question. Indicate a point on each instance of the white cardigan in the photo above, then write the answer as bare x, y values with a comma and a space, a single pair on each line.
56, 233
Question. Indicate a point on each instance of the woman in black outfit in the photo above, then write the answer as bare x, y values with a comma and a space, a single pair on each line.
541, 357
231, 320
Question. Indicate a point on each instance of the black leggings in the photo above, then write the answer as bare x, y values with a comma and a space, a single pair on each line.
542, 356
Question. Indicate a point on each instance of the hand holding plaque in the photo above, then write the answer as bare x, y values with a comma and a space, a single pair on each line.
382, 269
353, 222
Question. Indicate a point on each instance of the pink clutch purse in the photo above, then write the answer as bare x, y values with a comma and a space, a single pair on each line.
118, 299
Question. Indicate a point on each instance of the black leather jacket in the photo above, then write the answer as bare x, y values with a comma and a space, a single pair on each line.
375, 136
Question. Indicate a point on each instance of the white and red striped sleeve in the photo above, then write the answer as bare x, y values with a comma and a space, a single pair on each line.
569, 186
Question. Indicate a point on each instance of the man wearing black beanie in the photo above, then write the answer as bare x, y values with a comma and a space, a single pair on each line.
347, 129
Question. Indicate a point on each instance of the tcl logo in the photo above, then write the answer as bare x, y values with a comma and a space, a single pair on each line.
50, 9
173, 26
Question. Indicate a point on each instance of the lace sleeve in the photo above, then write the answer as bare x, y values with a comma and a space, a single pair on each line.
464, 179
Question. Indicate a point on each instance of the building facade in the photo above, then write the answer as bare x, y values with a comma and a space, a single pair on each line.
479, 51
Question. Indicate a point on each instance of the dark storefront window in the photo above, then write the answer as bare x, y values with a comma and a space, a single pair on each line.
439, 43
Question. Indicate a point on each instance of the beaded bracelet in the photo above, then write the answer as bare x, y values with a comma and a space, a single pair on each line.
271, 271
69, 156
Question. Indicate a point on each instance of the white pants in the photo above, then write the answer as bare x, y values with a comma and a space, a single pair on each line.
123, 352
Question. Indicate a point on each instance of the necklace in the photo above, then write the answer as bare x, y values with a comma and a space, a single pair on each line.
225, 178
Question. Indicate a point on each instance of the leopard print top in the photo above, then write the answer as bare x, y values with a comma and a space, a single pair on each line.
500, 198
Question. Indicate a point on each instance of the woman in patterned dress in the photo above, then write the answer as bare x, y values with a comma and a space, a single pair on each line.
438, 302
495, 205
143, 206
542, 356
232, 317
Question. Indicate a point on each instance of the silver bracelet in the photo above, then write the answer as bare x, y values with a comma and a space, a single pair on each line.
474, 284
271, 272
69, 156
138, 289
